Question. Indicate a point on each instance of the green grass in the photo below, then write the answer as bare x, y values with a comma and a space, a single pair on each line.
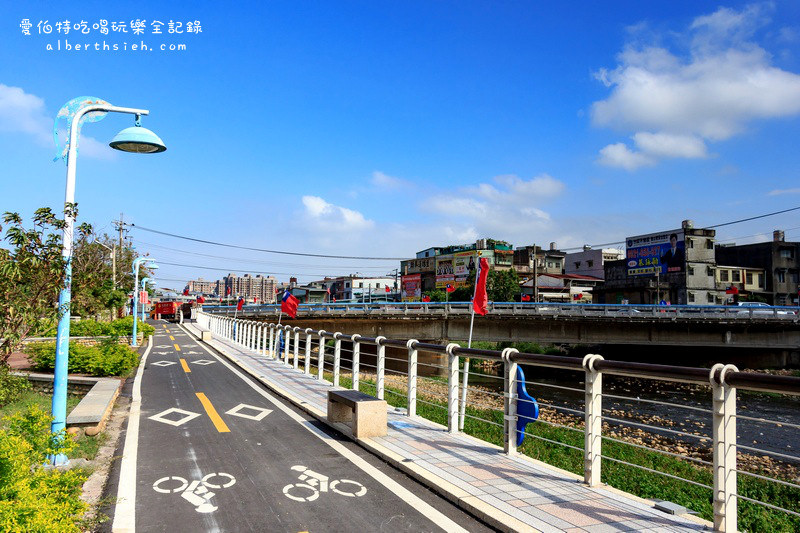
86, 448
487, 425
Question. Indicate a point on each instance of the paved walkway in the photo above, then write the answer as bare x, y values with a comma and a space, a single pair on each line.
510, 493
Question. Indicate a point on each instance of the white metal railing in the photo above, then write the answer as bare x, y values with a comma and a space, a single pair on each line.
325, 353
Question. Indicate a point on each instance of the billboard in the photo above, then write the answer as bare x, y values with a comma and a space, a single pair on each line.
462, 263
662, 253
445, 272
411, 288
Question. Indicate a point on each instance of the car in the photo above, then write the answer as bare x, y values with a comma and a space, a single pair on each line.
761, 309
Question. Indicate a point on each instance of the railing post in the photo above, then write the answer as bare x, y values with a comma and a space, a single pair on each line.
252, 336
380, 371
356, 360
593, 421
452, 388
296, 346
287, 336
321, 358
724, 425
337, 357
271, 348
412, 377
510, 401
308, 351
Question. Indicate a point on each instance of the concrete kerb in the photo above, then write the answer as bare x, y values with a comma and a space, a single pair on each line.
454, 494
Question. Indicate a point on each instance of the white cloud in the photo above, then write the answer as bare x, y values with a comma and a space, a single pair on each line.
22, 112
674, 105
327, 218
384, 181
510, 208
781, 192
619, 155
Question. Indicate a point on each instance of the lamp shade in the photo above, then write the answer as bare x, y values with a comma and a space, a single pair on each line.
138, 140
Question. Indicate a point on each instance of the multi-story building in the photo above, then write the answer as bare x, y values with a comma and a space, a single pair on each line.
535, 259
589, 262
779, 261
201, 286
363, 289
673, 266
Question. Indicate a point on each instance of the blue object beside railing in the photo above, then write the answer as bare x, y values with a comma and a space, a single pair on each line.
527, 408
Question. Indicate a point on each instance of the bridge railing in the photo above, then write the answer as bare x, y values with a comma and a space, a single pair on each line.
717, 461
659, 312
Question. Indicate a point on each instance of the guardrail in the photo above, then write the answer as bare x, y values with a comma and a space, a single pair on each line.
649, 312
306, 350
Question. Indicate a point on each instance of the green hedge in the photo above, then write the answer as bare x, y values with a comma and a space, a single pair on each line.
11, 387
32, 498
106, 359
92, 328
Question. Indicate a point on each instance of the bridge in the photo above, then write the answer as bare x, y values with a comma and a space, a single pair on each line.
756, 337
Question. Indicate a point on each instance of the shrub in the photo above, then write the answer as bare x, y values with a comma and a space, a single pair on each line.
11, 387
34, 499
106, 359
124, 326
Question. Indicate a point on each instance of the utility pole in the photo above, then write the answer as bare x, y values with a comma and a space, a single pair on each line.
120, 225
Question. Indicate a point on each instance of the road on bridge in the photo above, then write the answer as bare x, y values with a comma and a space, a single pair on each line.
209, 449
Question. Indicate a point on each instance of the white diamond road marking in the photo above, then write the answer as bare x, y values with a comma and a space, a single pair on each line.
187, 415
258, 417
203, 362
164, 363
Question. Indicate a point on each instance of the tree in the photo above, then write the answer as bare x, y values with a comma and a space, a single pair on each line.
31, 274
502, 285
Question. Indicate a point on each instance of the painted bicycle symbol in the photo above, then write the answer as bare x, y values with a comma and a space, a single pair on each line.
196, 492
312, 483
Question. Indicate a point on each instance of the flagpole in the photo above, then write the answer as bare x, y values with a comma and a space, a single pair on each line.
278, 332
463, 406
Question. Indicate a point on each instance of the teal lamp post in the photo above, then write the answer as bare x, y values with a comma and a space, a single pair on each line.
147, 263
140, 140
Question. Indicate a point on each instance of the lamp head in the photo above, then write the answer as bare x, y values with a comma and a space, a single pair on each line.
138, 140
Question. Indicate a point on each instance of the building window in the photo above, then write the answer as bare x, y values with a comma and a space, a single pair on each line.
736, 276
760, 278
748, 278
794, 276
577, 265
723, 275
709, 272
590, 264
690, 271
781, 276
709, 244
787, 253
689, 243
690, 297
710, 297
347, 285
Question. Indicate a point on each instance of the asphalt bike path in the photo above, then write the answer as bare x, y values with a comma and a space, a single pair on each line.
213, 450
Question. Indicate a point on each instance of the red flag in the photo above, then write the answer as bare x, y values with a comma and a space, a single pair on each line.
449, 287
481, 299
289, 304
220, 300
228, 291
526, 298
201, 300
328, 290
334, 299
240, 304
426, 298
733, 289
186, 292
255, 299
388, 289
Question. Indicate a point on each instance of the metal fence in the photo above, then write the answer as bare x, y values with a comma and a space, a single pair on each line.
649, 312
438, 392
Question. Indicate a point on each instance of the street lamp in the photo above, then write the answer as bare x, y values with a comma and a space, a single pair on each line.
125, 141
147, 263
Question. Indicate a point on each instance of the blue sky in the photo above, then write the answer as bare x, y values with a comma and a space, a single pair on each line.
378, 128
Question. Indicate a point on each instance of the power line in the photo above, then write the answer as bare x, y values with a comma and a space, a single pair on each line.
255, 261
282, 252
228, 269
753, 218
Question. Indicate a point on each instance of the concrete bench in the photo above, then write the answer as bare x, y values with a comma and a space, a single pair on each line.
92, 412
367, 413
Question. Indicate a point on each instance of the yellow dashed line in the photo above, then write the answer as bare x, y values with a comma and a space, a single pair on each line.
185, 366
212, 414
177, 348
171, 338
